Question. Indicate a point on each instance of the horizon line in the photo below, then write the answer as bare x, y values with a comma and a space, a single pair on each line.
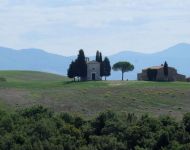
122, 51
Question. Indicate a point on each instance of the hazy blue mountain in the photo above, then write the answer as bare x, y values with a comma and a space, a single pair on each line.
32, 59
35, 59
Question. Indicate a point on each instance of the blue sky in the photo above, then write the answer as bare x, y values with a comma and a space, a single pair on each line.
65, 26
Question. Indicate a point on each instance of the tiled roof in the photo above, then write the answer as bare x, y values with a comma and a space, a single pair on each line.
157, 67
154, 67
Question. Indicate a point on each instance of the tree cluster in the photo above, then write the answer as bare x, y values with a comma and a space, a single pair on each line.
98, 56
105, 67
78, 68
38, 128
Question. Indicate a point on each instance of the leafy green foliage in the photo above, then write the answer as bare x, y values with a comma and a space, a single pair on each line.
186, 122
38, 128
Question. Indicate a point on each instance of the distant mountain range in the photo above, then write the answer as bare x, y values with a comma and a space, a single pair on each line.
177, 56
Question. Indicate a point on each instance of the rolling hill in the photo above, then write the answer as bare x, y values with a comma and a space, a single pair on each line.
30, 76
23, 89
39, 60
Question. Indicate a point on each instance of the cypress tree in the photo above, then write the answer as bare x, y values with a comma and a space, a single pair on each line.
106, 67
81, 65
102, 69
166, 70
98, 56
101, 65
71, 72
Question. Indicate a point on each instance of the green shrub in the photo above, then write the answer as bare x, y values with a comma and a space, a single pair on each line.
2, 79
38, 128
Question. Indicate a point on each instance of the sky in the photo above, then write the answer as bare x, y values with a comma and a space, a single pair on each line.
65, 26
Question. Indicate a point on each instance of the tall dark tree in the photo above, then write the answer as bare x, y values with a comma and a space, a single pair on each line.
98, 56
99, 59
106, 67
101, 65
166, 70
123, 66
81, 65
71, 72
102, 69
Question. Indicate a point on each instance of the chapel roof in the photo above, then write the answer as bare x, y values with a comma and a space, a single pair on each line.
92, 62
157, 67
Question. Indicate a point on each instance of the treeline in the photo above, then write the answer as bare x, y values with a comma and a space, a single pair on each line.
78, 68
38, 128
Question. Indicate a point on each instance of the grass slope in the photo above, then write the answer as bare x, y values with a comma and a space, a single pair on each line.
29, 76
88, 98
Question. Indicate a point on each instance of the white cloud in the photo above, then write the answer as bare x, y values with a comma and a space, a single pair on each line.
64, 26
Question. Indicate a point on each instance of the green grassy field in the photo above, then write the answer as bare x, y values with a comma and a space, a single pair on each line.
26, 88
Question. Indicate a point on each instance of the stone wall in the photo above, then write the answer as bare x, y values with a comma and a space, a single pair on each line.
93, 67
181, 77
172, 75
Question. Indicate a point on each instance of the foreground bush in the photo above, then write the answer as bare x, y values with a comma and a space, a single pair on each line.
38, 128
2, 79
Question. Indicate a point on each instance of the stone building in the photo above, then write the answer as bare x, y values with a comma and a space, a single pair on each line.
159, 76
93, 70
